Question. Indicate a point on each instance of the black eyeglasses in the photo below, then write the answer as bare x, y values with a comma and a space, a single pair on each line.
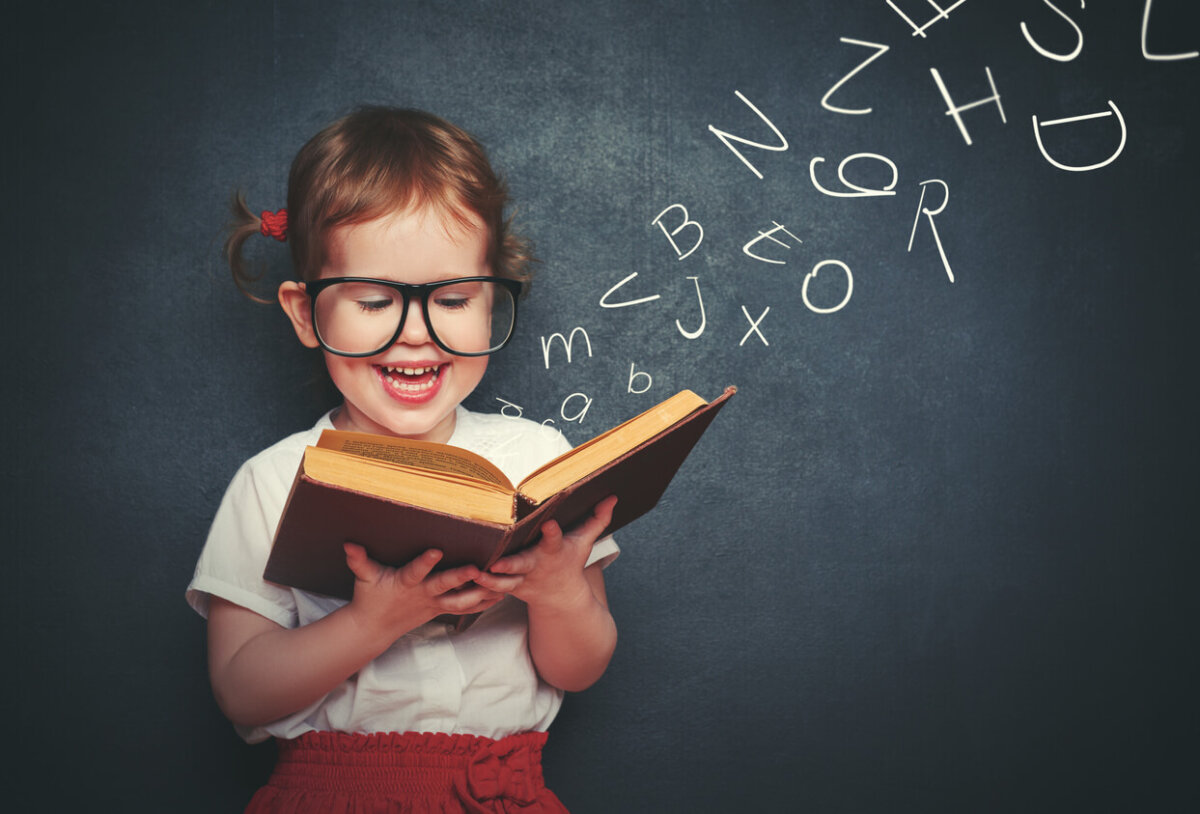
362, 316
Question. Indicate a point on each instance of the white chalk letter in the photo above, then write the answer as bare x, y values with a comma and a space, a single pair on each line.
882, 49
696, 333
954, 111
671, 235
1160, 57
562, 411
1037, 134
812, 275
728, 137
604, 303
930, 214
942, 14
754, 326
508, 404
767, 235
859, 192
1051, 54
633, 374
567, 344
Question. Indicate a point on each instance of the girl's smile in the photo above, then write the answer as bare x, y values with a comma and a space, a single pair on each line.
411, 383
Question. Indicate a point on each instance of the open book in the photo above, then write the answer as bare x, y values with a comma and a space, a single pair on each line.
398, 497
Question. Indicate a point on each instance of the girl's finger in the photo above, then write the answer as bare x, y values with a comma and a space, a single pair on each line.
450, 580
414, 572
520, 563
481, 607
599, 519
504, 584
552, 537
467, 600
363, 567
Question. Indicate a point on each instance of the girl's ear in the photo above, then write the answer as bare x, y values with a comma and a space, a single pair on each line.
295, 304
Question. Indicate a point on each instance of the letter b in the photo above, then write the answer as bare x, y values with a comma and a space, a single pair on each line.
670, 235
633, 375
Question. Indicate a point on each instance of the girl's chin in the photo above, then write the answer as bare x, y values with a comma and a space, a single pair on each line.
429, 425
422, 425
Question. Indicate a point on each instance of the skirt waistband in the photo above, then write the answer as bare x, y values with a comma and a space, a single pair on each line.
474, 771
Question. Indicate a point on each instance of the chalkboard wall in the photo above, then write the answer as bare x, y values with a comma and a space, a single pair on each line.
937, 555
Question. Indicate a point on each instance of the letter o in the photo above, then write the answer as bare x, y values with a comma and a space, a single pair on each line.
813, 273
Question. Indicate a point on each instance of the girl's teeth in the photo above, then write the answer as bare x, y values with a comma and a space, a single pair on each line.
411, 387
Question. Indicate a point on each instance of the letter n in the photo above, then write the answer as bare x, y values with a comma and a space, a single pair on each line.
726, 138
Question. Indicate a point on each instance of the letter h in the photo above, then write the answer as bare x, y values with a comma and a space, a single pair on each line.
952, 110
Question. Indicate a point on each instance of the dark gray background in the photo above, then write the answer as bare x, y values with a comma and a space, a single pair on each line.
936, 555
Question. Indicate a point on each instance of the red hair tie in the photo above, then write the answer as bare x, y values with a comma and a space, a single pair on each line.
274, 224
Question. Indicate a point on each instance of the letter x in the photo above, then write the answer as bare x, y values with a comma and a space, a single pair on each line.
754, 327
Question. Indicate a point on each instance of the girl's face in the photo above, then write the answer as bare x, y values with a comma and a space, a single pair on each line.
412, 387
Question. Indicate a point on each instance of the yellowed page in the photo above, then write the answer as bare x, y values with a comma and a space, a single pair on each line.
591, 455
447, 492
417, 454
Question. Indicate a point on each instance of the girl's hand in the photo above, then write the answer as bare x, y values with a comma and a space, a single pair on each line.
389, 602
571, 632
262, 671
551, 573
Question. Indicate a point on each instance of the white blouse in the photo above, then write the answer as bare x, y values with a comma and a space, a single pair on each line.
480, 682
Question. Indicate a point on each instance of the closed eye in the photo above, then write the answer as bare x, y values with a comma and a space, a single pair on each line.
451, 302
374, 305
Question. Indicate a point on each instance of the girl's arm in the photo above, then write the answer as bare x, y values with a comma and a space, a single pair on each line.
572, 635
261, 671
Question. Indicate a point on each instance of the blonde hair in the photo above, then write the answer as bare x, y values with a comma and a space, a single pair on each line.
375, 161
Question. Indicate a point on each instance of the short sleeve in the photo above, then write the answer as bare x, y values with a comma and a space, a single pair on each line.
604, 552
239, 542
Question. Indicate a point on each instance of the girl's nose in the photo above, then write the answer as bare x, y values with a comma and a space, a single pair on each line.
414, 332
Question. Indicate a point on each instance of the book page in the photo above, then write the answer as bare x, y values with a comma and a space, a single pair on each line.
447, 492
608, 446
416, 454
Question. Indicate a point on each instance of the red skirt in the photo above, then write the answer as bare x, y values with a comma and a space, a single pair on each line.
410, 772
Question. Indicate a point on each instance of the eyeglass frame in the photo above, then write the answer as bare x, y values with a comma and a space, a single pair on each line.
407, 292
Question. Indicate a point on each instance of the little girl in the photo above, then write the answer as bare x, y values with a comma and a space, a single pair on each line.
409, 278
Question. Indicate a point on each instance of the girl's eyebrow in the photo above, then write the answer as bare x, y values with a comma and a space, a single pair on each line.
386, 278
448, 274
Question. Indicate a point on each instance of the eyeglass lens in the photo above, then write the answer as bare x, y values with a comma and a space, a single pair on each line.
467, 316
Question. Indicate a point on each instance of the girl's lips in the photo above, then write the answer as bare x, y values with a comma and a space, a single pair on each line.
412, 383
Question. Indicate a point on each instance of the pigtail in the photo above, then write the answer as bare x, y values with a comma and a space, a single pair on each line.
244, 225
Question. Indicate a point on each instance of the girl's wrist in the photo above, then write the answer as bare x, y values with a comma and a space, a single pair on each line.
573, 597
377, 633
